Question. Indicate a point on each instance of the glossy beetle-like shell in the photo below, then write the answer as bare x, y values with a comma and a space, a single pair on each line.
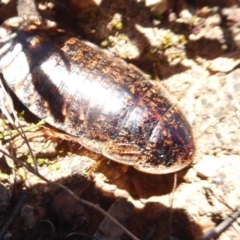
86, 92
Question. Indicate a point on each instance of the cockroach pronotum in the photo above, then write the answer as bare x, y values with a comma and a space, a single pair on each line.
109, 105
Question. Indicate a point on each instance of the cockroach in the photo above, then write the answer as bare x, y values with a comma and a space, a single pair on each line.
109, 105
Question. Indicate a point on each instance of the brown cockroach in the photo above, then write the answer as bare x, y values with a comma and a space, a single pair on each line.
109, 105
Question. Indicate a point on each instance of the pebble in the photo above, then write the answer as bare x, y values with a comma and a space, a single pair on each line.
158, 6
121, 210
208, 166
214, 20
226, 62
28, 216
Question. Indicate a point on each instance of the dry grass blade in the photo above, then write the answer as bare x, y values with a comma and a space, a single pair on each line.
6, 100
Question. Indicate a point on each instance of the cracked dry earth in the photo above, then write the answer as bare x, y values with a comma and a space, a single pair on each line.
194, 49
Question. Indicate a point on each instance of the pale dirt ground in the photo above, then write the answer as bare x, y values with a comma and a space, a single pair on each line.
193, 49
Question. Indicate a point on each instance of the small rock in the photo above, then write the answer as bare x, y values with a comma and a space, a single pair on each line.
66, 209
158, 6
80, 164
190, 176
186, 14
214, 20
208, 166
28, 216
121, 210
226, 62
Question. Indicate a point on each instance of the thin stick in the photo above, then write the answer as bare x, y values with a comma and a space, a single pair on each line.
171, 202
213, 234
